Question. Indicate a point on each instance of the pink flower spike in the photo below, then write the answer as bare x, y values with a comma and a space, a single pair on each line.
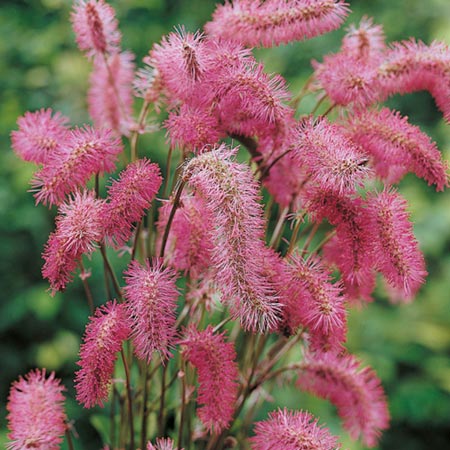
356, 392
162, 444
292, 430
110, 96
397, 254
36, 418
86, 151
103, 338
272, 22
95, 26
151, 304
129, 197
40, 135
217, 369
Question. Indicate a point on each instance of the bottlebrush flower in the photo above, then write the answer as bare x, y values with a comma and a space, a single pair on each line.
151, 296
214, 360
148, 85
231, 197
292, 430
397, 255
39, 135
110, 96
192, 128
36, 416
397, 147
356, 392
162, 444
319, 302
86, 151
331, 160
103, 338
129, 197
95, 25
257, 23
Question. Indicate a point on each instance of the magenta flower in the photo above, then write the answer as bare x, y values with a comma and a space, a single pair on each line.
86, 151
396, 252
151, 304
95, 26
214, 360
292, 430
356, 393
103, 338
36, 418
129, 197
40, 135
110, 96
272, 22
162, 444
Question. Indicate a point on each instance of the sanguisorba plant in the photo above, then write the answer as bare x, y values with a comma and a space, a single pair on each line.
224, 295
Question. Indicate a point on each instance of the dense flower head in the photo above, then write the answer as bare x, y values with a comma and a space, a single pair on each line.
292, 430
356, 392
214, 359
103, 338
86, 151
110, 95
162, 444
396, 252
273, 22
36, 418
129, 197
95, 26
232, 199
397, 147
40, 135
151, 301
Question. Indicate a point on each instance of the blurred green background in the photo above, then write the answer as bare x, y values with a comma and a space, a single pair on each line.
409, 346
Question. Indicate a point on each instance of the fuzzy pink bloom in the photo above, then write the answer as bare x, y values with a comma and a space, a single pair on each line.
95, 26
331, 160
192, 128
217, 369
36, 418
79, 227
232, 199
397, 254
151, 296
148, 85
397, 147
189, 244
356, 392
319, 302
110, 96
292, 430
162, 444
129, 197
411, 66
40, 135
86, 151
272, 22
103, 338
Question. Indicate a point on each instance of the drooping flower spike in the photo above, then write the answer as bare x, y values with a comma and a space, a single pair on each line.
36, 418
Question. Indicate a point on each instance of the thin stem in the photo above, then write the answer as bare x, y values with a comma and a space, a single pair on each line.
112, 418
294, 236
328, 237
87, 289
221, 324
135, 135
319, 102
297, 98
144, 409
276, 236
129, 397
166, 180
183, 401
266, 170
330, 108
310, 238
111, 271
162, 401
136, 240
69, 438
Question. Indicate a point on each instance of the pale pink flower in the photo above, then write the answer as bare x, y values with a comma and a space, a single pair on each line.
356, 392
110, 96
36, 418
129, 197
397, 147
39, 135
231, 196
162, 444
396, 252
148, 85
214, 359
292, 430
86, 151
272, 22
103, 338
95, 26
151, 304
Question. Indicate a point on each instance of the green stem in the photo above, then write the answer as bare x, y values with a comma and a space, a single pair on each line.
144, 409
69, 438
183, 402
111, 271
162, 401
87, 289
129, 397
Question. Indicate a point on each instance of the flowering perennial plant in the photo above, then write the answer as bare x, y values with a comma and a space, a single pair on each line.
220, 295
